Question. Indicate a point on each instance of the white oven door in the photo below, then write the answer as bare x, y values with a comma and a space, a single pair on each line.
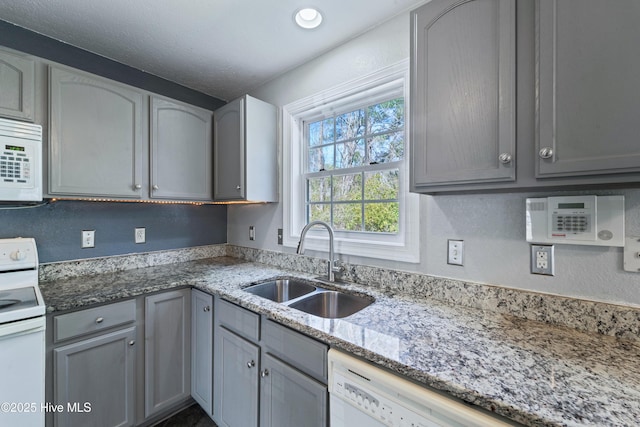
22, 346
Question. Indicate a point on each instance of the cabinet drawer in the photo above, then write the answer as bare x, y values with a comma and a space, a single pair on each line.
239, 320
302, 352
83, 322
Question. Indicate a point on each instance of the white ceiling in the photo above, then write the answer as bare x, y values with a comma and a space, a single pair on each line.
223, 48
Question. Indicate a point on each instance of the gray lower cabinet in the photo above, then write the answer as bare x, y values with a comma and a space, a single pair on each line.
97, 136
17, 85
245, 151
98, 372
236, 380
202, 349
181, 151
167, 350
588, 104
463, 86
288, 398
266, 374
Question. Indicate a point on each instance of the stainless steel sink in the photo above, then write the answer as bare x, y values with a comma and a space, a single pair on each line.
281, 290
331, 304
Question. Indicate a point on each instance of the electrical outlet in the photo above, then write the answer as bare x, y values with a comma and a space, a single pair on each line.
88, 238
542, 259
455, 253
140, 235
252, 232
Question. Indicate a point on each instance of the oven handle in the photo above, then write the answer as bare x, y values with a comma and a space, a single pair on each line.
22, 327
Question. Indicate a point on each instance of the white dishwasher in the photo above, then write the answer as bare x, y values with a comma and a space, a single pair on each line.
364, 395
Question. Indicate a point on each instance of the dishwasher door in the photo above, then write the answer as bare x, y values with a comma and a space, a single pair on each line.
364, 395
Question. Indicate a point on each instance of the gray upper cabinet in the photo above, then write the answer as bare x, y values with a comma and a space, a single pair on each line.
463, 81
167, 350
181, 155
97, 135
245, 163
202, 349
17, 86
589, 101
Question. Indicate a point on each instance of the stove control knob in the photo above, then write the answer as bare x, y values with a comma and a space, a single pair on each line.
18, 255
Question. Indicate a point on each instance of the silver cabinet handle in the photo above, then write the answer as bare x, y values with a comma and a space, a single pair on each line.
137, 187
207, 309
546, 152
100, 320
155, 187
505, 158
238, 187
131, 343
264, 373
251, 364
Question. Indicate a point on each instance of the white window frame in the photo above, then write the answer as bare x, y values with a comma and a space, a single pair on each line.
392, 81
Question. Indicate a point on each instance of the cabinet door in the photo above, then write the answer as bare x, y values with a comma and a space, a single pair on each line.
228, 155
236, 385
181, 159
463, 92
17, 86
202, 349
289, 398
588, 99
167, 346
100, 372
96, 136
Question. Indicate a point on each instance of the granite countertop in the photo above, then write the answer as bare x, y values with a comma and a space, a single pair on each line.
532, 372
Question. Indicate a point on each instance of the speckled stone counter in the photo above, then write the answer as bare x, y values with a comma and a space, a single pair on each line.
532, 372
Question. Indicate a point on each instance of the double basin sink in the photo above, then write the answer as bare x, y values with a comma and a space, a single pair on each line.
310, 297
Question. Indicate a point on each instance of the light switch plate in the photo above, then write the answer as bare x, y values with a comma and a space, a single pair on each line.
632, 254
455, 252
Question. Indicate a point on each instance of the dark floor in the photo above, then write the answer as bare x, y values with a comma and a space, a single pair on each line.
193, 416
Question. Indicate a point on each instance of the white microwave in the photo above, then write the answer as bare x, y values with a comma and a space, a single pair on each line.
20, 161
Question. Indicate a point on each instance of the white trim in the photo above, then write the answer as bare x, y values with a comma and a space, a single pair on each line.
403, 246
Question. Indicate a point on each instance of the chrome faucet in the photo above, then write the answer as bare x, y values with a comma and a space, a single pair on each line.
331, 268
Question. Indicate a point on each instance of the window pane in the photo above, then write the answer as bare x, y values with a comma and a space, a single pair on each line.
321, 158
350, 154
386, 148
347, 187
319, 212
386, 116
319, 189
347, 216
381, 217
350, 125
381, 185
321, 132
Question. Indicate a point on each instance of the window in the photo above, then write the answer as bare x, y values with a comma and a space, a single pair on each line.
353, 168
345, 163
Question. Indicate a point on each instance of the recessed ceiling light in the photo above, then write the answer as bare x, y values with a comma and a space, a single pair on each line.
308, 18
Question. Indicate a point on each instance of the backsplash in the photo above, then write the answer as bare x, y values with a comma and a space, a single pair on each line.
589, 316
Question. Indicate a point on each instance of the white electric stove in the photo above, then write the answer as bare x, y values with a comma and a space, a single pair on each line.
22, 339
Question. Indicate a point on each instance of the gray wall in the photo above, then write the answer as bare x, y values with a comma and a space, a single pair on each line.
57, 227
492, 225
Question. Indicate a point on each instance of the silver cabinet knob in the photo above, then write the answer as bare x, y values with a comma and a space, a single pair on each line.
505, 158
546, 152
100, 320
251, 364
155, 187
238, 187
131, 343
264, 373
207, 309
137, 187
